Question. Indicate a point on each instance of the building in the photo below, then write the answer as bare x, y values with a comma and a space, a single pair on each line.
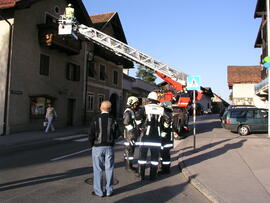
38, 66
136, 87
242, 81
105, 72
261, 89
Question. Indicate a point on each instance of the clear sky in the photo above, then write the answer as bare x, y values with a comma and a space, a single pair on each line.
198, 37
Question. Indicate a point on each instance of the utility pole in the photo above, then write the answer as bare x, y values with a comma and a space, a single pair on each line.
268, 52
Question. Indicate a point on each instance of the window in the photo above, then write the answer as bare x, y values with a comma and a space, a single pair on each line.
90, 102
38, 105
101, 98
115, 77
91, 69
73, 72
238, 114
44, 64
102, 72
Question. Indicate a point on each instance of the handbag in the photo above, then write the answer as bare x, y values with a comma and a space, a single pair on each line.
45, 123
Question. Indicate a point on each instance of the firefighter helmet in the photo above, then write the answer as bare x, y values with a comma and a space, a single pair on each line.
153, 96
132, 100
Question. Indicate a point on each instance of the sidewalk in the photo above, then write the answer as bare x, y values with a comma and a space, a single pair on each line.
26, 140
226, 167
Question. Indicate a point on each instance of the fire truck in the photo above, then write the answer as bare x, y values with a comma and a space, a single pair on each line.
177, 93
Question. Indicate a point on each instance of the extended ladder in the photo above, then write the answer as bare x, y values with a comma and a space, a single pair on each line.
67, 26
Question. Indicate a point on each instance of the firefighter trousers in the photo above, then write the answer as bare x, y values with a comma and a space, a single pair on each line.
143, 160
165, 160
129, 156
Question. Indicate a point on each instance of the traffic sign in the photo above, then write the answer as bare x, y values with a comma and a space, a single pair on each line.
266, 65
194, 82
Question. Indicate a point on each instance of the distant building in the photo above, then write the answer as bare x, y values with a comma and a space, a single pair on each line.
242, 81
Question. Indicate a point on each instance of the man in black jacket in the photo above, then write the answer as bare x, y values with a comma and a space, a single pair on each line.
102, 135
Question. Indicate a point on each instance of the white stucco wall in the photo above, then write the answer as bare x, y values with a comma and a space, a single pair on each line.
4, 47
25, 71
243, 90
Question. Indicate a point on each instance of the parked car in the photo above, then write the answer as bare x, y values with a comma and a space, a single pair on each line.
245, 120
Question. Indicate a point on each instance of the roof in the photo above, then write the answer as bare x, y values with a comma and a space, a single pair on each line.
81, 12
243, 74
102, 18
260, 8
8, 3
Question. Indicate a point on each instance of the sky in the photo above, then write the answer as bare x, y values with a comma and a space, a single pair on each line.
197, 37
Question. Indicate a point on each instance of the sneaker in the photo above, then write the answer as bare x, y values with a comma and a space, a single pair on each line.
109, 195
93, 193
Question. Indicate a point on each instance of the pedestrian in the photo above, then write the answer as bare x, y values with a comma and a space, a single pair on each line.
50, 116
166, 138
102, 135
150, 136
131, 131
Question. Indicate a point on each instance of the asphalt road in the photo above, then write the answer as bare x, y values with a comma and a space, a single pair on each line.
63, 173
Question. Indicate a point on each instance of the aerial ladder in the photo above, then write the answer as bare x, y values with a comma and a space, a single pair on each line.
67, 25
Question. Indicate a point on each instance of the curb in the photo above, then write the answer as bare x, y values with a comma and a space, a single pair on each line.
209, 194
6, 149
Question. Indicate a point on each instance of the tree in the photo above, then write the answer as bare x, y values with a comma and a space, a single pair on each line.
146, 74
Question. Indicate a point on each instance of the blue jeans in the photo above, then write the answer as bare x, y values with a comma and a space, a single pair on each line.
103, 159
50, 124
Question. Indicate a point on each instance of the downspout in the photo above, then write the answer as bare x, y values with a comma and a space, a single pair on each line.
7, 75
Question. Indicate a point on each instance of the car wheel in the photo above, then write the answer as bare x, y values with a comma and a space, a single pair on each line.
243, 130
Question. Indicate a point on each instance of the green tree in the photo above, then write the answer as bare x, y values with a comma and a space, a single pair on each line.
146, 74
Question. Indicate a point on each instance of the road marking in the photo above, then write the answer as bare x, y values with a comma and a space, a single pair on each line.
68, 137
81, 140
69, 155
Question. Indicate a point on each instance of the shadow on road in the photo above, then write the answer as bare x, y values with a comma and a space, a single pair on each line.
211, 154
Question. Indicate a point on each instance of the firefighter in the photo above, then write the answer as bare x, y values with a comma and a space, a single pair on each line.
166, 138
150, 138
69, 11
131, 131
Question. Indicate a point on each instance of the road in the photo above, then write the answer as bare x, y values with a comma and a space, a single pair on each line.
63, 173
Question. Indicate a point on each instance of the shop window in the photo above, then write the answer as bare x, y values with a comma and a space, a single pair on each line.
38, 105
90, 102
102, 72
44, 65
91, 69
115, 77
73, 72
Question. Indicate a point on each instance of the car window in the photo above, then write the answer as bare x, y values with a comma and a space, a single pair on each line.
264, 113
257, 114
250, 114
238, 114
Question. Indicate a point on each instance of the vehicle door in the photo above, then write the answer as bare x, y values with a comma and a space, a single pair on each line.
260, 120
263, 120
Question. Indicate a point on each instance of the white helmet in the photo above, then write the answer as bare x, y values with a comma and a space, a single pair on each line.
153, 96
132, 100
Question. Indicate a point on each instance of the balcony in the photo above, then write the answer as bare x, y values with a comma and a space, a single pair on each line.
48, 37
261, 88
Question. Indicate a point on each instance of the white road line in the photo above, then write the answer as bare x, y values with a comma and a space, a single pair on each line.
81, 140
68, 137
69, 155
